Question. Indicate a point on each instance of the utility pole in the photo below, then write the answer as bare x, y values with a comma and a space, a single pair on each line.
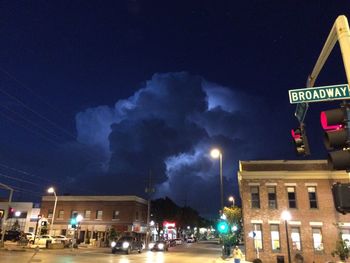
149, 190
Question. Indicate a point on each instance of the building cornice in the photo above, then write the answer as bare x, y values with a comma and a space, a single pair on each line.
293, 175
93, 198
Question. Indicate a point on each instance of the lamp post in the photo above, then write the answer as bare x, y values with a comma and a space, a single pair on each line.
232, 199
215, 153
286, 216
52, 190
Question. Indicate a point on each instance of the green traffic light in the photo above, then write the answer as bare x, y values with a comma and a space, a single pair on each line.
223, 227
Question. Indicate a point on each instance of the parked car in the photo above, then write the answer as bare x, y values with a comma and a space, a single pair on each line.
190, 240
172, 243
126, 244
178, 241
162, 245
63, 239
29, 235
12, 235
44, 240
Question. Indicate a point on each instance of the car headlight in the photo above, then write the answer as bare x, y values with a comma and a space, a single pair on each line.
125, 244
160, 246
151, 245
113, 244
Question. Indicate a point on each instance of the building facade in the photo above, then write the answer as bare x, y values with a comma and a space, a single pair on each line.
23, 217
303, 188
99, 215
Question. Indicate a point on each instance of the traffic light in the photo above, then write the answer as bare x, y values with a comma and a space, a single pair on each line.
341, 197
11, 212
300, 141
73, 220
223, 227
335, 122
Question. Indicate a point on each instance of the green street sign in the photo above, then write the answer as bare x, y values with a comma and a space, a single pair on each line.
315, 94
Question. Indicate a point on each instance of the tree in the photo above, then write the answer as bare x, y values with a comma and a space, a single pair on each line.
341, 248
234, 218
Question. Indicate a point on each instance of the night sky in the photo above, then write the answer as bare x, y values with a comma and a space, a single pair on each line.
97, 95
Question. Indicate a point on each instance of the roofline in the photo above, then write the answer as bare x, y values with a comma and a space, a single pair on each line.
67, 198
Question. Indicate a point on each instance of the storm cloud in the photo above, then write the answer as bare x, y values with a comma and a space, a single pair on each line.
167, 128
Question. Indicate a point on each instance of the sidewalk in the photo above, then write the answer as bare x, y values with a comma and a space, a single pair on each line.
229, 260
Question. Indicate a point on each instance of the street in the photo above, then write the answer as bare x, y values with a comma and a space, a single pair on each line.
193, 253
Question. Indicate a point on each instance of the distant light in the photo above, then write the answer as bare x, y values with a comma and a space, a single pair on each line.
151, 223
215, 153
51, 190
17, 213
79, 218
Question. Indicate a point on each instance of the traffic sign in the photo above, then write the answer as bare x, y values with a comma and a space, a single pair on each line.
325, 93
300, 111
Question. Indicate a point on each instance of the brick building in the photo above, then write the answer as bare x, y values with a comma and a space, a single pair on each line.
303, 188
100, 214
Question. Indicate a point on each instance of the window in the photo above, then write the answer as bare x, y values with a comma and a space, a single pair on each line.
99, 214
87, 214
345, 235
50, 213
317, 239
275, 238
292, 201
296, 241
258, 242
115, 215
61, 214
271, 194
312, 196
137, 215
254, 190
74, 213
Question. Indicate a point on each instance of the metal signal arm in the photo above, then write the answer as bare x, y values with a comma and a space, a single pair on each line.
339, 32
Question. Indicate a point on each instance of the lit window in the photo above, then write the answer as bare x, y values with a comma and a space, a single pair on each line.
275, 238
258, 242
292, 201
317, 239
115, 214
271, 193
50, 213
254, 191
296, 241
87, 214
61, 214
99, 214
312, 196
345, 235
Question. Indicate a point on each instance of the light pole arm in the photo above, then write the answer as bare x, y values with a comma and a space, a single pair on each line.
339, 32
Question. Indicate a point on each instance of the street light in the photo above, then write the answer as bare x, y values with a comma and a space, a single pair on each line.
215, 153
286, 216
50, 191
232, 199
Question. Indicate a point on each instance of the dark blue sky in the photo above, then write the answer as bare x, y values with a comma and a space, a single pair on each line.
94, 95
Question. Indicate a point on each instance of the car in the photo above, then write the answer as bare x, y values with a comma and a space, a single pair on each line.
44, 240
172, 243
65, 240
12, 235
161, 245
126, 244
190, 240
29, 235
178, 241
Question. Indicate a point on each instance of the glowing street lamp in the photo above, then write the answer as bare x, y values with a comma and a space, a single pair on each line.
286, 216
215, 153
50, 191
232, 199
